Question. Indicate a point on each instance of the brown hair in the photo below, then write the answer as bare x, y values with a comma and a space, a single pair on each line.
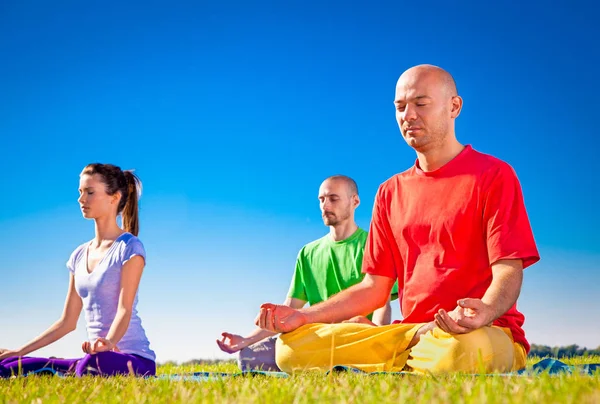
127, 184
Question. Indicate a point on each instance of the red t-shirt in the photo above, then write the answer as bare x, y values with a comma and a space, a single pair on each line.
439, 233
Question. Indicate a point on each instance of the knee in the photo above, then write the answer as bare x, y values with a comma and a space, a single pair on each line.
283, 357
91, 364
484, 350
87, 365
259, 356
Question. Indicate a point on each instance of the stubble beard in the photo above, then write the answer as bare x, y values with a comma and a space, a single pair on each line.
333, 220
330, 220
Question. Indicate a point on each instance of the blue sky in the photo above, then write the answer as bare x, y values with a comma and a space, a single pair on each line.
233, 113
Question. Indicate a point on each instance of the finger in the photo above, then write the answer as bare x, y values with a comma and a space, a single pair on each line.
261, 318
472, 323
469, 303
257, 319
264, 317
268, 319
452, 325
223, 347
439, 321
100, 345
106, 343
276, 325
271, 318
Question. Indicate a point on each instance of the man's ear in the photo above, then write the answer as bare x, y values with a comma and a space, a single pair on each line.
355, 200
457, 103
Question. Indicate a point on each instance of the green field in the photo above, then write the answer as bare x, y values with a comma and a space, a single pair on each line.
304, 388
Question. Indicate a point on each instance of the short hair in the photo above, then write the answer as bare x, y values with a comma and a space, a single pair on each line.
349, 182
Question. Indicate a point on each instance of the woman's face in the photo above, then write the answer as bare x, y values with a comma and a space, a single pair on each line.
93, 199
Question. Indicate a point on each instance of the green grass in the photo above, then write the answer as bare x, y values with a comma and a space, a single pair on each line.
304, 388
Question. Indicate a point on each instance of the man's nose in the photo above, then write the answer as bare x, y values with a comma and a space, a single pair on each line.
409, 113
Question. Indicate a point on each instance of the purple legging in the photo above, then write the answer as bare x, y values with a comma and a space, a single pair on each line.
100, 364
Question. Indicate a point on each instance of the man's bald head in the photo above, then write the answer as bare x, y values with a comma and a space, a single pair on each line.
418, 72
349, 182
427, 104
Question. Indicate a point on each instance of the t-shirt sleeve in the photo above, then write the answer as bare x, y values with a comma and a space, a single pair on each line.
134, 247
379, 255
72, 261
507, 227
71, 264
297, 289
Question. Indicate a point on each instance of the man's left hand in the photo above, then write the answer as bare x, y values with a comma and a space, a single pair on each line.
469, 315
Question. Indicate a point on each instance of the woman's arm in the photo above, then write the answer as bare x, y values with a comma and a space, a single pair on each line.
130, 280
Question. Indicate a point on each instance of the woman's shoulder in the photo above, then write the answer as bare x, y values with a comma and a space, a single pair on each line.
129, 240
130, 245
76, 255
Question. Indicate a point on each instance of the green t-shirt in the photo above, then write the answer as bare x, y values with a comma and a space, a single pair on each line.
325, 267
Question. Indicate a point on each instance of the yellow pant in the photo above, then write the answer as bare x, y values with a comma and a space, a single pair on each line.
384, 348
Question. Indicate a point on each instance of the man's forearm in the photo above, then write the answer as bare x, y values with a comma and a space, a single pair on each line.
359, 300
505, 288
383, 315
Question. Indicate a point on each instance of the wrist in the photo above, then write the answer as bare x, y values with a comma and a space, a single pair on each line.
110, 343
492, 315
308, 317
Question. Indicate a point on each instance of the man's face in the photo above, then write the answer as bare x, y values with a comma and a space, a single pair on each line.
423, 109
335, 201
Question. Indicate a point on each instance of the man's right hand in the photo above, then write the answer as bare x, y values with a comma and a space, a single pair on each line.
232, 343
279, 318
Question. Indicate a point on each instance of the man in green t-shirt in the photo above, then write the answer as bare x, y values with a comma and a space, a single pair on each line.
324, 267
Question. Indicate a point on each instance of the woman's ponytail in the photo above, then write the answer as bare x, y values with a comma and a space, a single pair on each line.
130, 214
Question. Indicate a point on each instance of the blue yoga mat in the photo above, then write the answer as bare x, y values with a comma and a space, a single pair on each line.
548, 365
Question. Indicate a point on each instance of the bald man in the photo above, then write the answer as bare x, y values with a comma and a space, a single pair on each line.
454, 232
324, 267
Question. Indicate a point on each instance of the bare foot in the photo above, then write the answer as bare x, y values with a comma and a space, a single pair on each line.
423, 330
